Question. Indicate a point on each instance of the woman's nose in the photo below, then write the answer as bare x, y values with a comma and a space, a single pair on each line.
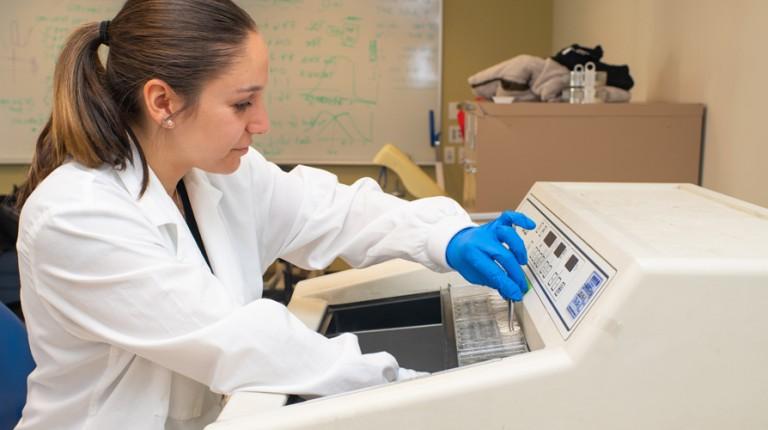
259, 124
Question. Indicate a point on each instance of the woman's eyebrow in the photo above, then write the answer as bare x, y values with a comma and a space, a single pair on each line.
250, 89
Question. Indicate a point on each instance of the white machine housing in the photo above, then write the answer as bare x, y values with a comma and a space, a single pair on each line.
660, 323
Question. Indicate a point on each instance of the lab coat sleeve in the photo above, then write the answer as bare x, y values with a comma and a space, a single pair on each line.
108, 276
311, 219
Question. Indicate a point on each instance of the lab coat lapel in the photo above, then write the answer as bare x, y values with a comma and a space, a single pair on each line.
158, 207
155, 202
205, 199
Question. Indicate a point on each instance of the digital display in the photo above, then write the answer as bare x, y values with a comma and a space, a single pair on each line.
559, 250
571, 263
550, 238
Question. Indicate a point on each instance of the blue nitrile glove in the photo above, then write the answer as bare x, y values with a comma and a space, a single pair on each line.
479, 254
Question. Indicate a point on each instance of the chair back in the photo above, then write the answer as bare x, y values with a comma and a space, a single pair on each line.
16, 363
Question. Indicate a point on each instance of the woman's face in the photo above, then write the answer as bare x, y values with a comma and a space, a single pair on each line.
230, 110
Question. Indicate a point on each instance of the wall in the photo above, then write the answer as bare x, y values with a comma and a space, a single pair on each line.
688, 51
512, 27
478, 34
705, 51
10, 175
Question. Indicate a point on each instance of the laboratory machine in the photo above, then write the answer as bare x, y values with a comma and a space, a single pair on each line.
647, 309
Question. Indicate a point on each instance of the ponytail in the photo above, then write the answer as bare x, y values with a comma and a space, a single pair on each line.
94, 106
85, 122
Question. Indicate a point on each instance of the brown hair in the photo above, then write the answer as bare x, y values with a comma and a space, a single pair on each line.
185, 43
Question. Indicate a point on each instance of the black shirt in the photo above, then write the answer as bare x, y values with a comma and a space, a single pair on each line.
189, 216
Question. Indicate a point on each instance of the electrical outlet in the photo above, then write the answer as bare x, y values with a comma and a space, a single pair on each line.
453, 111
449, 155
454, 134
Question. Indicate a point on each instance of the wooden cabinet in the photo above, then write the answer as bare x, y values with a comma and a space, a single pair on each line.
509, 147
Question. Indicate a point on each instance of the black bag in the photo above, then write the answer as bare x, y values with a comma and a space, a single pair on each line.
617, 76
9, 223
9, 266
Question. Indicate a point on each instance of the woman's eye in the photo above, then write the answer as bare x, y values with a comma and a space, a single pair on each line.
240, 107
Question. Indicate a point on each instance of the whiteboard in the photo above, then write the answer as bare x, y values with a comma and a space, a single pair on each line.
346, 76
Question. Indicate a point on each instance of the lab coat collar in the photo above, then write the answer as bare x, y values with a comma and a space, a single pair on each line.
155, 202
204, 198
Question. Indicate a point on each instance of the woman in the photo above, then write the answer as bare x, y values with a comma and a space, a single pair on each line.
148, 220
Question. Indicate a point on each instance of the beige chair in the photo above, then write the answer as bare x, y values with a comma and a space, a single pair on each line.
416, 182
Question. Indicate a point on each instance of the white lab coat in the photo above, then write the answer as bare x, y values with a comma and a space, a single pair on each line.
129, 327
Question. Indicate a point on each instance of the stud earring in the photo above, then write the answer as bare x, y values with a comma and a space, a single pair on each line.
168, 123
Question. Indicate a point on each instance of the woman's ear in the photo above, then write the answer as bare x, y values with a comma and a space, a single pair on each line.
160, 101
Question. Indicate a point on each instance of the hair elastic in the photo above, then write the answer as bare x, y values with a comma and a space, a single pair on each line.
103, 35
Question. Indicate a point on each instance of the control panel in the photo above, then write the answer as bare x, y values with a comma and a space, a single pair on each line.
565, 272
